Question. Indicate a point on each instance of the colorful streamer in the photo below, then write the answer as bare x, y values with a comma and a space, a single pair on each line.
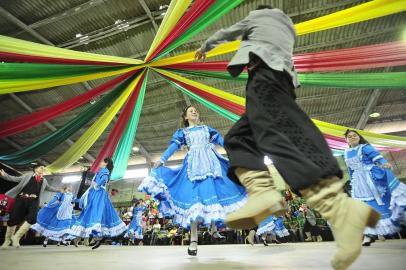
195, 11
175, 11
363, 12
387, 80
123, 151
22, 123
206, 88
219, 97
13, 86
18, 46
15, 72
25, 58
215, 12
52, 140
80, 147
112, 140
390, 54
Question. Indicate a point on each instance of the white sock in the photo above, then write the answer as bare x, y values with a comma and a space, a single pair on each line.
193, 232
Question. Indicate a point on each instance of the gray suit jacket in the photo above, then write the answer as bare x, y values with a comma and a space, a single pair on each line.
23, 181
268, 33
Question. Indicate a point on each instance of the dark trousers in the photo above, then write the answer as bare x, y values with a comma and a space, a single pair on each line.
23, 210
275, 126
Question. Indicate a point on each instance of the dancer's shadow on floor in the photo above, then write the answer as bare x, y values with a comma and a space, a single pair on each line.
219, 264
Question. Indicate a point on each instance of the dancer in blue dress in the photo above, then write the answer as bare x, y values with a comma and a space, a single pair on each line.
198, 191
54, 221
273, 226
134, 230
373, 182
98, 217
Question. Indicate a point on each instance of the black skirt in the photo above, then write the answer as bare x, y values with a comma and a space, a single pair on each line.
275, 126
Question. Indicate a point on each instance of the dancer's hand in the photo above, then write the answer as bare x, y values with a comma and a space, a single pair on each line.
158, 164
2, 172
200, 56
387, 166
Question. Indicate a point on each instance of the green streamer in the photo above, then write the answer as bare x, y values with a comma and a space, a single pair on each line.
21, 72
215, 12
124, 147
50, 141
385, 80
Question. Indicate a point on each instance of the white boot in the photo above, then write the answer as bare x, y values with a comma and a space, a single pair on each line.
7, 237
348, 218
308, 237
250, 238
20, 233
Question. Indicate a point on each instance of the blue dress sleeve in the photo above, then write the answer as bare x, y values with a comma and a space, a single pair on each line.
178, 139
215, 137
55, 200
373, 155
102, 177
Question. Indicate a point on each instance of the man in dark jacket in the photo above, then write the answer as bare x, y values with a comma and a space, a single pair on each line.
274, 127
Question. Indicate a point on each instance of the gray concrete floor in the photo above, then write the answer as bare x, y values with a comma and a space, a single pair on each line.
389, 255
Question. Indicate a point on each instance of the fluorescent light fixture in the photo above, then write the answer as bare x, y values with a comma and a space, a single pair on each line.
375, 115
71, 178
136, 173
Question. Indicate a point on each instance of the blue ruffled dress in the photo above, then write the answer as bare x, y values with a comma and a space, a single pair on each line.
377, 187
134, 230
272, 225
98, 217
199, 190
55, 220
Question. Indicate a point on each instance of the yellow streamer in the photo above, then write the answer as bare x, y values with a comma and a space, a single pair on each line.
10, 86
381, 139
13, 45
363, 12
83, 144
325, 128
175, 11
217, 92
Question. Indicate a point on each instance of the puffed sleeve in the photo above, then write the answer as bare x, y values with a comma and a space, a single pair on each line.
178, 139
373, 155
215, 137
102, 177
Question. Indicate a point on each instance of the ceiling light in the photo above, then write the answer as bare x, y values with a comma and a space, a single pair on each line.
71, 178
136, 149
375, 115
79, 35
34, 163
137, 173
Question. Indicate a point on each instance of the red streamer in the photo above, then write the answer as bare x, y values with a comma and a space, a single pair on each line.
33, 119
114, 137
366, 57
24, 58
195, 11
